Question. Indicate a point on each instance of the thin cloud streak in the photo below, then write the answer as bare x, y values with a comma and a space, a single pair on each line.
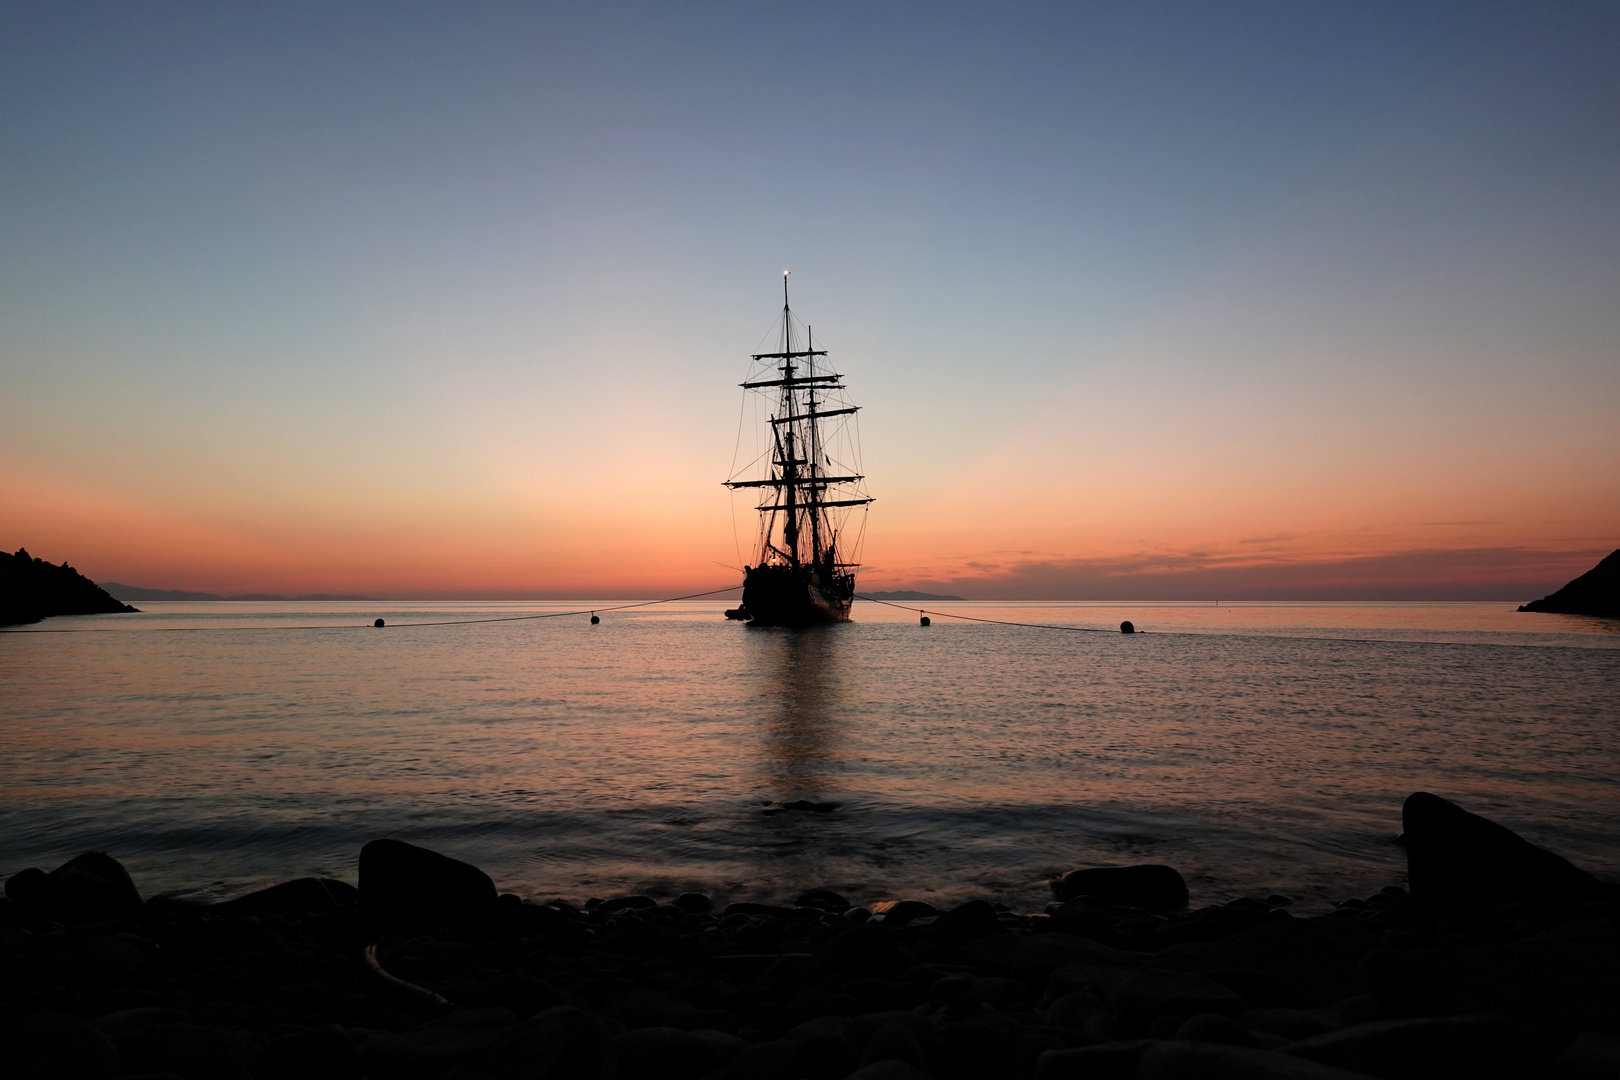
1501, 574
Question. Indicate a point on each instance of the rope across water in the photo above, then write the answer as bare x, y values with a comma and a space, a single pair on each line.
367, 626
976, 618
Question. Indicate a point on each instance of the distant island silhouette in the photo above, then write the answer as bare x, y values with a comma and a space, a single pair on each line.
908, 594
135, 592
1596, 592
32, 589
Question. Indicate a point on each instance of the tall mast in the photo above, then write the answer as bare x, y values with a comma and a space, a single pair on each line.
790, 468
813, 436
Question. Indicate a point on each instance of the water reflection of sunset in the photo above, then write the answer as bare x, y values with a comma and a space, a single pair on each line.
1243, 743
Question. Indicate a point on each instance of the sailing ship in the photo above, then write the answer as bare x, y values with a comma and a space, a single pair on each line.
812, 513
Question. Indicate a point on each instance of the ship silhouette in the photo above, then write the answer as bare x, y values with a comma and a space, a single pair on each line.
813, 515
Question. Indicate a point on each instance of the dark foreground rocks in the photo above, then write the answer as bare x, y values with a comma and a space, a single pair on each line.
1596, 592
313, 979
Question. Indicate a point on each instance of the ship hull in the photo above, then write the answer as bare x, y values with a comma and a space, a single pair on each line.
784, 596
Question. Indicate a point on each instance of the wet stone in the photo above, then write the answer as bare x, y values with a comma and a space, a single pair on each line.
968, 1050
1177, 1060
405, 881
1153, 887
662, 1052
889, 1069
1114, 1061
761, 1061
1414, 1049
822, 1056
694, 903
321, 1053
108, 955
1074, 1009
59, 1046
894, 1042
1155, 992
825, 899
1215, 1028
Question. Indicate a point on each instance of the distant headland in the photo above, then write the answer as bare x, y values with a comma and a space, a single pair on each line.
1596, 592
908, 594
32, 589
135, 592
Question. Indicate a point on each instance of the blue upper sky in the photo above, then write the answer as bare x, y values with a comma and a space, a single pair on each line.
257, 259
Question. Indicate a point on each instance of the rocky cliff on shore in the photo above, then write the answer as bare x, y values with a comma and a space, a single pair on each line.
32, 589
1596, 592
1502, 960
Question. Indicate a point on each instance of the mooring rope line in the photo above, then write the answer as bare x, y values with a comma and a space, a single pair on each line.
997, 622
368, 626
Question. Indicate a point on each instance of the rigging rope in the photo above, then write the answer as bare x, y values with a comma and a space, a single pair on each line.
998, 622
367, 626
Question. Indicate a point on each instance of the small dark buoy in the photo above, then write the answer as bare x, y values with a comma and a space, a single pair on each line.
1126, 627
595, 618
926, 621
379, 622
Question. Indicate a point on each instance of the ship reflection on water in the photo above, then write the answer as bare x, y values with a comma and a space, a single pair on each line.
805, 830
800, 731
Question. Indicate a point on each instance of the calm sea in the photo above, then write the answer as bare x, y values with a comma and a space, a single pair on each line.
1257, 747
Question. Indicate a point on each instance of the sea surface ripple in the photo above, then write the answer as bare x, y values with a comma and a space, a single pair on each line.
1259, 748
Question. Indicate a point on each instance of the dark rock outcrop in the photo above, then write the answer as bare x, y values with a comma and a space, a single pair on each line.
1596, 592
32, 589
87, 888
1446, 845
405, 881
1151, 886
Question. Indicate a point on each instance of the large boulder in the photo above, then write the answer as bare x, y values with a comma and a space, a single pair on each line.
1148, 885
93, 887
405, 881
1445, 844
1596, 592
300, 896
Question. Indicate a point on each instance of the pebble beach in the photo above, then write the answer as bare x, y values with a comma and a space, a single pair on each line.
1501, 959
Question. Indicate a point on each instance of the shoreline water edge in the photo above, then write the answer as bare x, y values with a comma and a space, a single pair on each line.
1501, 960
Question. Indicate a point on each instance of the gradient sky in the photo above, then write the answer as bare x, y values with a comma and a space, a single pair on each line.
1140, 300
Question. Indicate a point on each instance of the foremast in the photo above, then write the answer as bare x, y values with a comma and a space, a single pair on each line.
797, 527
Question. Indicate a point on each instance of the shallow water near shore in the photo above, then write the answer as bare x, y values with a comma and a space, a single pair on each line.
1258, 748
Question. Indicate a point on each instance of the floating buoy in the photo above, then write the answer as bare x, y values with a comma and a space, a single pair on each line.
595, 618
379, 622
926, 621
1126, 627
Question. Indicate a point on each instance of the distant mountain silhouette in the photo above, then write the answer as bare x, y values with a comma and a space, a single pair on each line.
908, 594
135, 592
1596, 592
32, 589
